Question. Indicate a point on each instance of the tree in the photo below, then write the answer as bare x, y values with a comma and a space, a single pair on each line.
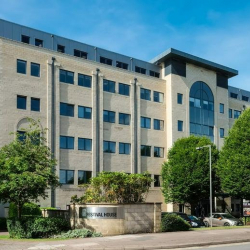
234, 162
26, 168
185, 175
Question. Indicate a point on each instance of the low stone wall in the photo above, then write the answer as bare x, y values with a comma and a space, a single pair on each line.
126, 218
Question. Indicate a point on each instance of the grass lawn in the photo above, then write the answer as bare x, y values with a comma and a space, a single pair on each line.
6, 237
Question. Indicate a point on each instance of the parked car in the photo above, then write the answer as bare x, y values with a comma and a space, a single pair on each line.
182, 215
222, 219
196, 222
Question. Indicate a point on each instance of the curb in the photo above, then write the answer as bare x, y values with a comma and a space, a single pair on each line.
203, 244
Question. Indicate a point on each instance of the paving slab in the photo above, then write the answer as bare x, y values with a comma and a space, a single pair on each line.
136, 241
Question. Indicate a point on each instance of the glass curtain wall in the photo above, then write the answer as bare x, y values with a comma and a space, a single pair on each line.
201, 101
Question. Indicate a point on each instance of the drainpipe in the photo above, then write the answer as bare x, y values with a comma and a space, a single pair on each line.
131, 64
52, 42
53, 125
135, 127
97, 124
95, 48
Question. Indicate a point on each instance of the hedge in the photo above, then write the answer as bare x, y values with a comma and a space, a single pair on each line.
3, 225
36, 227
173, 222
28, 209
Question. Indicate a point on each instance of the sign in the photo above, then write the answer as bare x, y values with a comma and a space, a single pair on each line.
246, 209
101, 212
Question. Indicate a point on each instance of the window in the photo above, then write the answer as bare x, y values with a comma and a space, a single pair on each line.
84, 144
158, 124
84, 80
158, 96
237, 208
124, 148
180, 125
21, 66
21, 135
21, 102
108, 116
140, 70
121, 65
221, 132
233, 95
66, 76
80, 53
109, 147
145, 122
145, 150
237, 113
201, 110
35, 104
154, 74
158, 152
230, 113
157, 182
66, 176
66, 109
35, 69
60, 48
245, 98
105, 60
221, 108
84, 112
146, 94
39, 42
124, 89
232, 207
84, 176
67, 142
108, 86
179, 98
124, 119
25, 39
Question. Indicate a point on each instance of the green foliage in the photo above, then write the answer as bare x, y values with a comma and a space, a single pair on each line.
28, 209
26, 168
78, 233
47, 208
3, 224
173, 223
115, 187
234, 161
186, 173
36, 227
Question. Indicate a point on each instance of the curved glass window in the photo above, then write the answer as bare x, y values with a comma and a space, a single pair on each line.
201, 106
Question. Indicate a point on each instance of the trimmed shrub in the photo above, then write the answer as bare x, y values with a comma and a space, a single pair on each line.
173, 222
48, 208
78, 233
3, 225
36, 227
28, 209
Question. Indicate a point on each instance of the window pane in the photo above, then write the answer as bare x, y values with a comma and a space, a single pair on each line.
35, 69
70, 142
179, 98
112, 147
112, 117
84, 80
21, 102
63, 176
21, 67
88, 144
25, 39
39, 42
70, 177
121, 148
63, 142
80, 144
148, 123
88, 113
105, 116
106, 146
35, 104
180, 125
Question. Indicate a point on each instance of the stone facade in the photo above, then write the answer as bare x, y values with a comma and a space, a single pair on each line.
137, 218
168, 111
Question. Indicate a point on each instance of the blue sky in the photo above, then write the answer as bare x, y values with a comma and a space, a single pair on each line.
217, 30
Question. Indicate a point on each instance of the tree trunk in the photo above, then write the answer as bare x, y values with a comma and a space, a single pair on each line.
19, 210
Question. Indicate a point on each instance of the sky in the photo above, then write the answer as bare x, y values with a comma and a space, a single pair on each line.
216, 30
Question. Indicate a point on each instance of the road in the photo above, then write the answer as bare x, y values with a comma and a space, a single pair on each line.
240, 246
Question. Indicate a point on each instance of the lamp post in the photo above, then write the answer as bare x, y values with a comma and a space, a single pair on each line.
210, 169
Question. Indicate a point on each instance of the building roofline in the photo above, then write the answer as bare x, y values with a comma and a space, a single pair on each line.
173, 53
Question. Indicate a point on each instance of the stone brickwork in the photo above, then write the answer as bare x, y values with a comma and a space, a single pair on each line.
138, 218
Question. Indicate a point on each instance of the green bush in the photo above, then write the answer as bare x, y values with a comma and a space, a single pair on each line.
173, 222
3, 225
47, 208
28, 209
78, 233
36, 227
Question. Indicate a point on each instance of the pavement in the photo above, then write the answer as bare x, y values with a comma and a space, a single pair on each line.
169, 240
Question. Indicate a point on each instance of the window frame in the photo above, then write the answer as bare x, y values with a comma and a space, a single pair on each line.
222, 132
108, 86
68, 109
180, 127
67, 77
25, 99
67, 142
159, 151
123, 119
109, 115
122, 65
144, 123
157, 96
106, 60
124, 89
124, 148
35, 99
144, 93
109, 143
85, 79
86, 176
157, 180
84, 112
154, 74
60, 48
66, 177
18, 68
82, 54
156, 125
32, 70
38, 42
140, 70
222, 108
179, 98
230, 113
23, 37
85, 147
146, 149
